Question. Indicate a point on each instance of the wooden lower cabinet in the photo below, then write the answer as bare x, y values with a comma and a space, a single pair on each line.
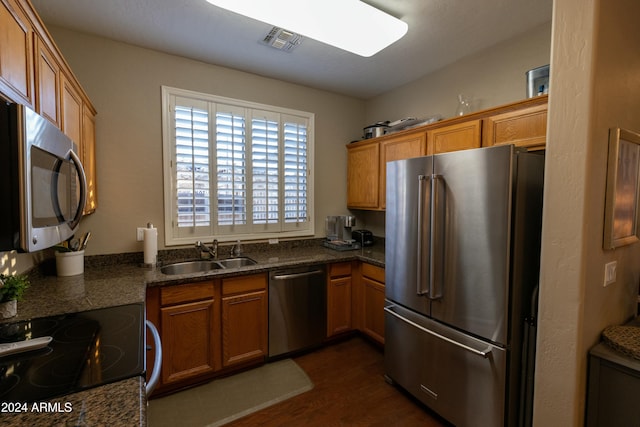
189, 330
189, 344
339, 299
244, 319
208, 328
373, 302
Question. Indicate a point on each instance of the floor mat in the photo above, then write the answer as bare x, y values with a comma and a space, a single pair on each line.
224, 400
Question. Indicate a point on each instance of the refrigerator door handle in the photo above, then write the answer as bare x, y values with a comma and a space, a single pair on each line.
485, 353
420, 256
435, 239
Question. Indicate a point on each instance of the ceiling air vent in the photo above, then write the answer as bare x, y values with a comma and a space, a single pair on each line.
282, 39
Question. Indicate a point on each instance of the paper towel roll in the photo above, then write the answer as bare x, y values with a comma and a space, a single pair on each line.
150, 244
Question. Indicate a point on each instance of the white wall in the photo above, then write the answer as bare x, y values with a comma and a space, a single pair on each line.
595, 86
489, 78
124, 81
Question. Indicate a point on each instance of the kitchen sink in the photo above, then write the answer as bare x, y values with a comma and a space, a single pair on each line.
236, 262
188, 267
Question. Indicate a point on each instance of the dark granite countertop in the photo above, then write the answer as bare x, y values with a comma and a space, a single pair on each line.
111, 280
116, 404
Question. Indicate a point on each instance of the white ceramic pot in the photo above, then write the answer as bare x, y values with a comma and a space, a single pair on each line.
8, 309
70, 263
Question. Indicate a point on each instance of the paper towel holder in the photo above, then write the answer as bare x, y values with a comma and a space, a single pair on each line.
150, 246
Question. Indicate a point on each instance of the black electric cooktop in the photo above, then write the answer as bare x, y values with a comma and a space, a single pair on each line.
87, 349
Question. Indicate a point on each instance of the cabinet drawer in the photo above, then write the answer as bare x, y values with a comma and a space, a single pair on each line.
340, 269
234, 285
184, 293
373, 272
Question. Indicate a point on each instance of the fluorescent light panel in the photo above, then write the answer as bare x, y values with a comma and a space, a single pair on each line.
346, 24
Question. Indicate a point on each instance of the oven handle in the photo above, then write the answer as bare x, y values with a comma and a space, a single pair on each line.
157, 364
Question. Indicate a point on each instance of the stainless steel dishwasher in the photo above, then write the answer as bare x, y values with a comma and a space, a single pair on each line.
297, 309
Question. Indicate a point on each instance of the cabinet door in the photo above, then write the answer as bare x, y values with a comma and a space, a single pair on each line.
525, 128
373, 309
89, 158
188, 341
16, 53
47, 83
400, 148
362, 176
71, 108
338, 305
460, 136
244, 328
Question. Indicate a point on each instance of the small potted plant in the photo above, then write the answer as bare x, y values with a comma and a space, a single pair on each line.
11, 290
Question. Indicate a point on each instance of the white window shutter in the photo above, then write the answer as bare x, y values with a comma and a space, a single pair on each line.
235, 169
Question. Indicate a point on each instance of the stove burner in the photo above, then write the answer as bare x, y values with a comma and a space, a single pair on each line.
110, 355
88, 349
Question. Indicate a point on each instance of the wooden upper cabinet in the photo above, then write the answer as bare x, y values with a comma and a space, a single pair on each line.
16, 53
367, 166
399, 148
523, 123
88, 157
47, 83
459, 136
71, 107
78, 123
525, 128
34, 72
363, 175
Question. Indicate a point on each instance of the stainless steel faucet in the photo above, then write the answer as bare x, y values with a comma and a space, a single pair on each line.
213, 250
236, 250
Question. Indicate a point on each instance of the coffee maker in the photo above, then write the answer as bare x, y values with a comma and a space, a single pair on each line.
338, 231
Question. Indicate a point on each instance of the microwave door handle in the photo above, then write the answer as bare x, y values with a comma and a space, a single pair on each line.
83, 189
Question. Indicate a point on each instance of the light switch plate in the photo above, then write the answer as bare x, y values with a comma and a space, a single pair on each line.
610, 271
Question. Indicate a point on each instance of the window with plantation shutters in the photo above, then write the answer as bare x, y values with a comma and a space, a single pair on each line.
235, 169
192, 167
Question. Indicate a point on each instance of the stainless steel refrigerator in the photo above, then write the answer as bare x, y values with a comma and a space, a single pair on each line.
462, 262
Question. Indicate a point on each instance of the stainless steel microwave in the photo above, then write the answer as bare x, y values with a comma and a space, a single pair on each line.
42, 182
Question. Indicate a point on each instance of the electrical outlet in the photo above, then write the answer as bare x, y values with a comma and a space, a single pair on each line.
610, 270
273, 241
140, 234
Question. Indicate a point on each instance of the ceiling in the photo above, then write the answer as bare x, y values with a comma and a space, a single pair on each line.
440, 33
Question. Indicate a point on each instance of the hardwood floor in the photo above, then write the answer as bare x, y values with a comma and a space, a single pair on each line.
349, 390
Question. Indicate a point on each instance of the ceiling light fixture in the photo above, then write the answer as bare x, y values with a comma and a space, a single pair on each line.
350, 25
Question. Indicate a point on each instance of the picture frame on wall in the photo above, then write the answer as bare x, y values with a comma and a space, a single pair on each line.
623, 189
